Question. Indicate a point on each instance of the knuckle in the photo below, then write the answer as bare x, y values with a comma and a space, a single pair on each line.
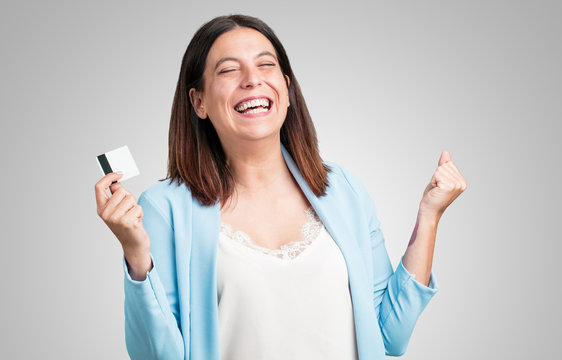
126, 222
130, 203
105, 215
111, 219
135, 223
115, 219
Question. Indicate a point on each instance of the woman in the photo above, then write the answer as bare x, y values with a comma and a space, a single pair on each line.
306, 275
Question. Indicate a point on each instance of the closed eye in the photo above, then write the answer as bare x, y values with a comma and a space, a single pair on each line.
224, 71
267, 64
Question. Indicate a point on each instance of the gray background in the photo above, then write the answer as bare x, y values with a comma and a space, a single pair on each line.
390, 84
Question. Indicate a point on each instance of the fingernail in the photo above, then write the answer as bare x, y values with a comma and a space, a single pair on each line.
119, 172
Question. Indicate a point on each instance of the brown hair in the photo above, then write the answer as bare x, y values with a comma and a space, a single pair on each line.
195, 154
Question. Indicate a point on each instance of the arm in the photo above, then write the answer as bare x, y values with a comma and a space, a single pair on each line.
401, 296
152, 328
398, 299
419, 254
445, 186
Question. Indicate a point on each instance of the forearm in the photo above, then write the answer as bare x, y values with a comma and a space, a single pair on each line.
138, 262
418, 257
406, 295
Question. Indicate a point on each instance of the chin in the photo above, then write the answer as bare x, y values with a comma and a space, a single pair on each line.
260, 132
258, 129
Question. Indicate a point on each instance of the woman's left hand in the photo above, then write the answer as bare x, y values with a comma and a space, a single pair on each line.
445, 186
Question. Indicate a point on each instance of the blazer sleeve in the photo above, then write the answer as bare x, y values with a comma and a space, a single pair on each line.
398, 298
152, 329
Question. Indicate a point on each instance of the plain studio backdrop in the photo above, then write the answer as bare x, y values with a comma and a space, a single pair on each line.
389, 84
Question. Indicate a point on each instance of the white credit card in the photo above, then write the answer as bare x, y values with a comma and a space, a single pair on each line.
118, 160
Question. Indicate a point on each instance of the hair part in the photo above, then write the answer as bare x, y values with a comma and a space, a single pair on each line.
195, 153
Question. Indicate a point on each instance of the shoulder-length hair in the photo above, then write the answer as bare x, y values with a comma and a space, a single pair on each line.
195, 154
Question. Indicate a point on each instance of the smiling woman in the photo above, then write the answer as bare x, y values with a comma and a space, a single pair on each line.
230, 61
306, 274
245, 94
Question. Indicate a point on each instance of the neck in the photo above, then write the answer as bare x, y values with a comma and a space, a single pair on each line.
257, 166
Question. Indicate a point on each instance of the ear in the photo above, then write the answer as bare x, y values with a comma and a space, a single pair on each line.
197, 103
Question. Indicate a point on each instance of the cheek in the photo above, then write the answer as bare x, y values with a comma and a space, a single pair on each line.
281, 89
218, 96
285, 95
285, 91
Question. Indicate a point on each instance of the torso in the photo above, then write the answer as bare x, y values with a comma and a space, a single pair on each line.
271, 218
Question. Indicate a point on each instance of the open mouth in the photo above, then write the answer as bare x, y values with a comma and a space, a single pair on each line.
253, 106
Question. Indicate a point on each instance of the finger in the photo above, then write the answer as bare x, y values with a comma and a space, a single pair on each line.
135, 214
101, 188
123, 207
445, 156
456, 169
447, 168
114, 187
445, 180
135, 211
112, 204
452, 180
453, 170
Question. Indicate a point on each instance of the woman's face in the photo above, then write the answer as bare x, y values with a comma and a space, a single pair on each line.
245, 94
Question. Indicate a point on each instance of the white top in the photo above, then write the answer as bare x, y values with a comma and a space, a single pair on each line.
290, 303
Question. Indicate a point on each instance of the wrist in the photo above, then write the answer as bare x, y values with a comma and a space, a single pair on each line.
428, 218
139, 263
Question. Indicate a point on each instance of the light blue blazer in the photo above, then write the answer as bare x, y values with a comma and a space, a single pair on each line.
173, 313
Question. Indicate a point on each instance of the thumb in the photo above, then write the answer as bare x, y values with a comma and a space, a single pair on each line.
445, 156
116, 185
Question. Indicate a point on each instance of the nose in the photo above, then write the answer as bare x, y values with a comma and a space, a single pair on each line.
251, 79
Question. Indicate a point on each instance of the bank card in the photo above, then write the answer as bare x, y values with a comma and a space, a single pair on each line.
118, 160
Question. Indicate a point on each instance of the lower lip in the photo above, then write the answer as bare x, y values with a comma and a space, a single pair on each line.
256, 114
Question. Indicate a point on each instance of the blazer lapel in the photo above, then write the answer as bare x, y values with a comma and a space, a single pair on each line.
203, 283
331, 210
340, 215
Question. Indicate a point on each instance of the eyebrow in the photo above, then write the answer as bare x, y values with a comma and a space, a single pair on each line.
263, 53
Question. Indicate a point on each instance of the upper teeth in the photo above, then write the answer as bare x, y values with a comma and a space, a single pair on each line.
252, 103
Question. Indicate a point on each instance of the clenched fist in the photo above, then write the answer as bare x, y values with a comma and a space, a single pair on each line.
123, 216
445, 186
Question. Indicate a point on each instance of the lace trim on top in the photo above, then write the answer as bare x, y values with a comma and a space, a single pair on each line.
291, 250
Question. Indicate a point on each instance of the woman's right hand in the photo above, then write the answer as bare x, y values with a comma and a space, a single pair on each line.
123, 216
